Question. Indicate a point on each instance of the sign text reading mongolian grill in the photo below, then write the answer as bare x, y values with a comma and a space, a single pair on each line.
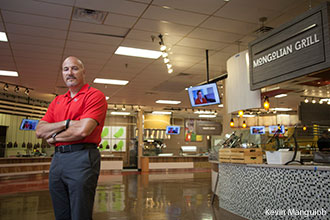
295, 49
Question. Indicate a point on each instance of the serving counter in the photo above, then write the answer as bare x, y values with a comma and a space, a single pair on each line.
173, 162
261, 191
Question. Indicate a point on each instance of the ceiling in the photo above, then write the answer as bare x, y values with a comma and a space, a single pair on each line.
42, 33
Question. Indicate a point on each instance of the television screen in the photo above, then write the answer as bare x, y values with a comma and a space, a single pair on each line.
257, 130
273, 129
28, 124
204, 95
173, 130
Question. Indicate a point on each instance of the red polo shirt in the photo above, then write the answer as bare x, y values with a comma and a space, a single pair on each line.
87, 103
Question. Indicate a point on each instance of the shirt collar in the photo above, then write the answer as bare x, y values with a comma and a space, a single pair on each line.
83, 90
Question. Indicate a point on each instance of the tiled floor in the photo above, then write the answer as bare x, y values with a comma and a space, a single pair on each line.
130, 195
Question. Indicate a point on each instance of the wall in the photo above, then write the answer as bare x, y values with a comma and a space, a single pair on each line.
176, 141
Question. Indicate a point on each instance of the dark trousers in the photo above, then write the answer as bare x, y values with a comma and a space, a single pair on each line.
72, 183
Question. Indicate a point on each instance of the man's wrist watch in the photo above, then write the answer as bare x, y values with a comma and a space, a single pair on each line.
67, 123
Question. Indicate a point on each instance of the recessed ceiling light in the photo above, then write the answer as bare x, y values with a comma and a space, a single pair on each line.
207, 116
8, 73
110, 81
281, 95
161, 113
120, 113
136, 52
168, 102
3, 37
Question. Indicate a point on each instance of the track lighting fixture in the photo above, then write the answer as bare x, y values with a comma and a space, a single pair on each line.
123, 108
16, 89
163, 49
27, 91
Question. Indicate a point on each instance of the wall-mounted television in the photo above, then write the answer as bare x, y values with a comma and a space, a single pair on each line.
172, 129
204, 95
257, 130
274, 128
28, 124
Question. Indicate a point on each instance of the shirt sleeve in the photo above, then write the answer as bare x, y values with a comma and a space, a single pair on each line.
95, 107
49, 116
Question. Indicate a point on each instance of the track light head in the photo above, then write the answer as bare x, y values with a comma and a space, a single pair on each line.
27, 91
6, 87
16, 89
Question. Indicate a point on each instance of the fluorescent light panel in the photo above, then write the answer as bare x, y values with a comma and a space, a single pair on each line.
168, 102
136, 52
120, 113
3, 37
161, 113
207, 116
8, 73
110, 81
281, 95
204, 112
281, 109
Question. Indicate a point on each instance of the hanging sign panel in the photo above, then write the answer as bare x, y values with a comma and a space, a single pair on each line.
295, 49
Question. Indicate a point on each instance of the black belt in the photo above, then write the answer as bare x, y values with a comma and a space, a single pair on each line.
74, 147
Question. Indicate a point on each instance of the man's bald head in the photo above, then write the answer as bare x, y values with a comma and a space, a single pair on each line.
73, 72
76, 59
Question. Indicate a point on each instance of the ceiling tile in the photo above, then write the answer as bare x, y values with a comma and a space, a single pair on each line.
35, 31
7, 61
61, 2
35, 20
110, 49
83, 27
141, 44
173, 15
96, 39
204, 44
245, 11
116, 6
163, 27
43, 41
120, 20
229, 25
152, 37
221, 36
36, 48
205, 6
38, 55
189, 51
37, 8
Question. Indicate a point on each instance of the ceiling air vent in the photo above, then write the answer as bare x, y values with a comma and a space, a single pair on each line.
89, 15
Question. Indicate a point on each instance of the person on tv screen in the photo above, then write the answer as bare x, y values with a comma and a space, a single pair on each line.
200, 99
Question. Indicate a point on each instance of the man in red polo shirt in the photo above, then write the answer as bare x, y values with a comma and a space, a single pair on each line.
73, 123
